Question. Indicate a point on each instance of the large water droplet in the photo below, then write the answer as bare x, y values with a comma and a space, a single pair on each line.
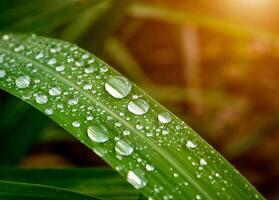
136, 178
41, 99
23, 81
138, 106
2, 73
118, 87
55, 91
191, 145
164, 117
98, 133
123, 148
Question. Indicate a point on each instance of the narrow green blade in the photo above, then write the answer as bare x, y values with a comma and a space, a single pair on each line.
99, 182
156, 152
26, 191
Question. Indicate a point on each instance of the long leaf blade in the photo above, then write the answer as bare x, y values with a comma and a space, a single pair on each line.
24, 191
163, 158
99, 182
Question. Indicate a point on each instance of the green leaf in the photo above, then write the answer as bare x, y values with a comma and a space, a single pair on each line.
25, 191
30, 16
103, 183
156, 152
15, 116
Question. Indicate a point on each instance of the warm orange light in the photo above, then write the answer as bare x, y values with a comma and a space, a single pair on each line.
251, 3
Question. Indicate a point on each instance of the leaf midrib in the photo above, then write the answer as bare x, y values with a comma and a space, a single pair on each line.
162, 152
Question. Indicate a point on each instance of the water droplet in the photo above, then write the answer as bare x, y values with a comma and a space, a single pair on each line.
89, 70
103, 69
191, 145
55, 91
48, 111
203, 162
118, 87
23, 81
5, 37
126, 132
164, 117
51, 61
87, 87
2, 73
136, 178
76, 124
123, 148
138, 106
89, 118
149, 167
60, 68
73, 101
85, 56
98, 133
39, 55
41, 99
79, 63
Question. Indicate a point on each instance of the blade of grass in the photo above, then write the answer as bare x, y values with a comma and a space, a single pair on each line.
83, 23
16, 116
158, 154
120, 55
158, 12
105, 26
25, 191
51, 18
99, 182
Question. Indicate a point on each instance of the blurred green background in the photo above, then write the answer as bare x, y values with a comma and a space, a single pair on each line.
213, 63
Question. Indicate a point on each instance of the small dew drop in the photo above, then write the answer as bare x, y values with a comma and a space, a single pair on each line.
203, 162
73, 101
39, 55
137, 179
98, 133
5, 37
126, 132
51, 61
191, 145
118, 87
138, 107
149, 167
60, 68
2, 73
104, 69
123, 148
89, 70
41, 99
89, 118
164, 117
48, 111
23, 81
76, 124
55, 91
